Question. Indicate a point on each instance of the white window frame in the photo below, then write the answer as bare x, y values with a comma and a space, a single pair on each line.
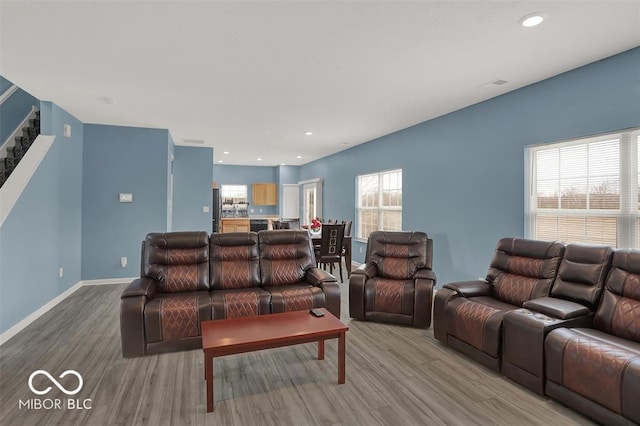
380, 209
234, 191
627, 216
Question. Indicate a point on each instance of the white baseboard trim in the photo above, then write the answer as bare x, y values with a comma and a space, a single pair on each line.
108, 281
38, 313
53, 302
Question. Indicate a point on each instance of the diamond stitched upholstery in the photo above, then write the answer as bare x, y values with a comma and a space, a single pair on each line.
298, 299
236, 267
396, 250
282, 251
284, 272
243, 304
470, 321
179, 317
181, 278
514, 289
395, 268
525, 266
625, 322
388, 296
183, 256
594, 370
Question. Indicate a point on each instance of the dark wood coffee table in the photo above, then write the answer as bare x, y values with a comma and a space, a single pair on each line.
238, 335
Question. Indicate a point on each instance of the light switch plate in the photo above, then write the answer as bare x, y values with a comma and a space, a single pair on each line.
125, 198
205, 209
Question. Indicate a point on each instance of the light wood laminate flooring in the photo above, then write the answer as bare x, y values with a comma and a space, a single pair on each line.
395, 376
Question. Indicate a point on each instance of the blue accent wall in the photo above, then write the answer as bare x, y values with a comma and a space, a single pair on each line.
4, 84
247, 175
463, 173
14, 110
43, 231
192, 171
121, 160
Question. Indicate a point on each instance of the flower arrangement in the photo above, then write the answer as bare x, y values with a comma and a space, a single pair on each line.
315, 224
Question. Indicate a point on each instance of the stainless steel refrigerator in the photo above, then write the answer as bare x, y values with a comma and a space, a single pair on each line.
217, 210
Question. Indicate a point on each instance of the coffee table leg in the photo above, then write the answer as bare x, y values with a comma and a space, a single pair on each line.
208, 370
321, 349
342, 346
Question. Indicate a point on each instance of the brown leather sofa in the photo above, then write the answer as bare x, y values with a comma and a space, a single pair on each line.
395, 284
597, 370
468, 315
189, 277
579, 345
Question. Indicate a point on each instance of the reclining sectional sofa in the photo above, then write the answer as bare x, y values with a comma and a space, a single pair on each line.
563, 321
190, 277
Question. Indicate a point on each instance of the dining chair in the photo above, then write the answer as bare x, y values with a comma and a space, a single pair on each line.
331, 247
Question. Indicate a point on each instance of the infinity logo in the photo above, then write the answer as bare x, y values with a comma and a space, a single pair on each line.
55, 382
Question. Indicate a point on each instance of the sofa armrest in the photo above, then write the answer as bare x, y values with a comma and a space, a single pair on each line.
317, 276
470, 288
327, 282
557, 308
369, 270
425, 274
132, 306
140, 287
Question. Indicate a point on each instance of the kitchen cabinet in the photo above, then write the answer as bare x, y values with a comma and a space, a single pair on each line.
234, 225
264, 194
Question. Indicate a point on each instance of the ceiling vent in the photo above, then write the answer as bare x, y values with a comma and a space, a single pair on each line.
498, 82
193, 141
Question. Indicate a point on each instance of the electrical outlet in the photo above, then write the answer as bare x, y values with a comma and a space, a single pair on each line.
61, 272
123, 261
205, 209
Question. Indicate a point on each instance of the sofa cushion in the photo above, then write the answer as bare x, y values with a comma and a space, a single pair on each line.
582, 274
602, 368
390, 296
285, 256
177, 261
398, 255
286, 298
523, 269
234, 260
176, 316
237, 303
619, 309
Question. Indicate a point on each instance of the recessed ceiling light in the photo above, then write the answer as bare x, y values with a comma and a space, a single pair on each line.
282, 164
531, 20
226, 152
259, 159
308, 133
299, 156
220, 161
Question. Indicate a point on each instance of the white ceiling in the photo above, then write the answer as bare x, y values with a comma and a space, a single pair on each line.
251, 77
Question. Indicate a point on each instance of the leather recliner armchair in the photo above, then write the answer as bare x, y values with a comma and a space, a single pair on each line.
395, 284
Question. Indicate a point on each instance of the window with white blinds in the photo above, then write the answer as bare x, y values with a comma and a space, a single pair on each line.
379, 202
586, 190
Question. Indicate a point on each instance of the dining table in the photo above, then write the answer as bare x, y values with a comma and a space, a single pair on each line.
346, 245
